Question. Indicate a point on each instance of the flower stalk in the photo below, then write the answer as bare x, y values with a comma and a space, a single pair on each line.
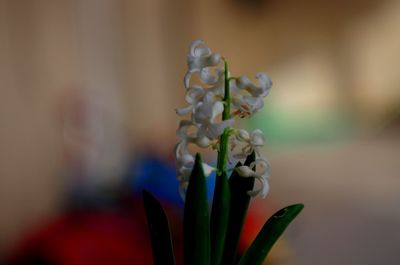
224, 139
221, 201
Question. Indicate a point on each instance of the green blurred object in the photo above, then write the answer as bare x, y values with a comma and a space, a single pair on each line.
303, 127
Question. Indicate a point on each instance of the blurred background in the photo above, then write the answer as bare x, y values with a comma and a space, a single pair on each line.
89, 88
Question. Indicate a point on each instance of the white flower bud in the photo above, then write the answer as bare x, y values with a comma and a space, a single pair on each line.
245, 171
203, 142
243, 135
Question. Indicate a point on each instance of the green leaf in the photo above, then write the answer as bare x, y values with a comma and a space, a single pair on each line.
269, 234
160, 235
239, 204
219, 218
196, 223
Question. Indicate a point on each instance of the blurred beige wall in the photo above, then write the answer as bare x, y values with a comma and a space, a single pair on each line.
38, 60
55, 52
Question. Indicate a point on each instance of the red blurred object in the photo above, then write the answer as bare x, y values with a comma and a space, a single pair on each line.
88, 238
108, 237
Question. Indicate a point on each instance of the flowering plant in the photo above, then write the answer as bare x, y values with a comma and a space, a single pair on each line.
213, 103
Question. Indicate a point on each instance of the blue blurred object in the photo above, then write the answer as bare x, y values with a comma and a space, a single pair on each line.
158, 175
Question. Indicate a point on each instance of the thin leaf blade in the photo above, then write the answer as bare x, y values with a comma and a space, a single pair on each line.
239, 204
160, 234
196, 223
269, 234
219, 218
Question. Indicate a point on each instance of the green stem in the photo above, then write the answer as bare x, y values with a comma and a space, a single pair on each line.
220, 207
223, 147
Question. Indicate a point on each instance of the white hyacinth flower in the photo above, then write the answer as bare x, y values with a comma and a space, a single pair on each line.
210, 116
252, 142
208, 78
248, 98
262, 90
185, 163
183, 134
261, 174
205, 115
199, 59
244, 104
195, 93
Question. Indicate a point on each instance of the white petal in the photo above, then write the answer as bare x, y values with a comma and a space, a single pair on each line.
184, 111
200, 56
245, 171
244, 83
209, 99
233, 86
205, 110
187, 159
178, 150
256, 103
237, 101
186, 171
262, 191
198, 49
181, 149
186, 79
194, 94
217, 109
207, 169
265, 83
243, 135
216, 129
203, 141
207, 77
247, 104
181, 132
262, 167
215, 59
202, 131
201, 113
257, 138
182, 189
239, 155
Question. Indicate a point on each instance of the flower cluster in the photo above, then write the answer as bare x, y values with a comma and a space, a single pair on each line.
206, 82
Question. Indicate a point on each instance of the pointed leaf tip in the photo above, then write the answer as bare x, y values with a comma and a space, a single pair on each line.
196, 223
160, 234
269, 234
198, 156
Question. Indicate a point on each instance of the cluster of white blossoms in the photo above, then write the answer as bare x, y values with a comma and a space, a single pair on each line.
205, 98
